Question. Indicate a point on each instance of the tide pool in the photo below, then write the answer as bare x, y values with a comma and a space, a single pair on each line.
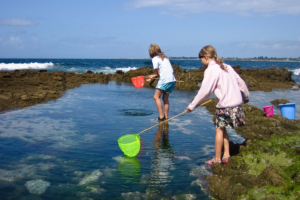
67, 149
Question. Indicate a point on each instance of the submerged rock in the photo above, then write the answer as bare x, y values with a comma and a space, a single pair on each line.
37, 186
23, 171
200, 172
184, 197
182, 157
90, 178
133, 195
108, 172
136, 112
92, 189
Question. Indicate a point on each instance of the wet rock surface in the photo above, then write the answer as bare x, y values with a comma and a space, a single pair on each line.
23, 88
266, 165
266, 79
280, 101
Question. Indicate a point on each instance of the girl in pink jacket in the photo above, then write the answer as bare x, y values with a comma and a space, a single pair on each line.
230, 90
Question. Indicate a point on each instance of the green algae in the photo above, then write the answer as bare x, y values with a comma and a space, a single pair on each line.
266, 165
270, 192
257, 163
286, 160
287, 140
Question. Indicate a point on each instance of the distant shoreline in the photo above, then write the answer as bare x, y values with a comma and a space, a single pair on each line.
264, 60
255, 60
225, 59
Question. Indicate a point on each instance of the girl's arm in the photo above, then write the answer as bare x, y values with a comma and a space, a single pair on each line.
243, 87
153, 75
208, 86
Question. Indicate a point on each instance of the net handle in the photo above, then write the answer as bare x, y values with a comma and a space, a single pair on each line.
171, 118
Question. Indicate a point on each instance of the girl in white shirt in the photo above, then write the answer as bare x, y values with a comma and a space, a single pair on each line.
166, 82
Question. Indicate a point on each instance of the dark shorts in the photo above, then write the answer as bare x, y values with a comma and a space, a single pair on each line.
230, 117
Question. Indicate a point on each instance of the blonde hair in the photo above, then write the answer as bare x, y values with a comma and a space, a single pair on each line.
154, 50
211, 52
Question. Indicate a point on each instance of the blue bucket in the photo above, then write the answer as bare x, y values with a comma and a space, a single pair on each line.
288, 110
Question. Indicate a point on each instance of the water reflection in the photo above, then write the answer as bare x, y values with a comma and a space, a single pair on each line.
163, 160
129, 169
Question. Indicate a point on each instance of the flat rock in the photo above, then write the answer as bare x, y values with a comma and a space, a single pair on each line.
37, 186
280, 101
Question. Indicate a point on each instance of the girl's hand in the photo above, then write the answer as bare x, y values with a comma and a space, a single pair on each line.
150, 77
246, 101
188, 109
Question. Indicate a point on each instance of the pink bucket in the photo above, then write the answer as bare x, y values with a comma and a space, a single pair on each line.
268, 110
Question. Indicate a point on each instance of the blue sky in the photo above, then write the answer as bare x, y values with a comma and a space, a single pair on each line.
113, 29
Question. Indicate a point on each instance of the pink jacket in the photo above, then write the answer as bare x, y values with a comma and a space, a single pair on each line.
227, 86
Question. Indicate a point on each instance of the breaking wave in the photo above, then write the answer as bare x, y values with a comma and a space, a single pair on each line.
35, 65
296, 71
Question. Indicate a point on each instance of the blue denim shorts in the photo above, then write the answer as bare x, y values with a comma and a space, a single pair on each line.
167, 87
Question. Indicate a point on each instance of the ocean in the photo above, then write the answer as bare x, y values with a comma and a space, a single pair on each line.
67, 148
107, 66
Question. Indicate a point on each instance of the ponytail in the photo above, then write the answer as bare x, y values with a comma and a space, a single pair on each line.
220, 62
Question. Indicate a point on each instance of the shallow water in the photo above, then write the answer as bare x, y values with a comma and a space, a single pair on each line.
67, 149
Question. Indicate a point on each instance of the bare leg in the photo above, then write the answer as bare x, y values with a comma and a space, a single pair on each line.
166, 104
226, 144
157, 100
221, 138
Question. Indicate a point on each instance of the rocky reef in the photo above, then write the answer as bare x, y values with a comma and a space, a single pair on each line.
266, 165
276, 102
22, 88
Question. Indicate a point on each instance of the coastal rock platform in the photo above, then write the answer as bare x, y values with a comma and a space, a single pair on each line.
23, 88
266, 165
